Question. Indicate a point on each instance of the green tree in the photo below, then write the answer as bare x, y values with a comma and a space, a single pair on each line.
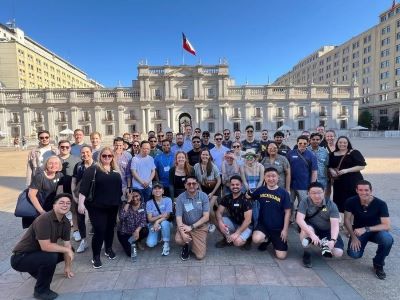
365, 119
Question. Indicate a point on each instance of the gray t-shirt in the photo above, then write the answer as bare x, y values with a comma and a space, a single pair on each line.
280, 164
191, 209
322, 220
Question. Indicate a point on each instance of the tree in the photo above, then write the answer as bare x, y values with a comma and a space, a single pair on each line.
365, 119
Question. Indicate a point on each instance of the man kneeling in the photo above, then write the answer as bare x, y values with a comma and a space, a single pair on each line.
38, 252
235, 228
318, 220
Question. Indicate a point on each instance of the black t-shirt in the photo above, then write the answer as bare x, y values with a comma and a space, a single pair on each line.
255, 145
194, 157
209, 146
366, 216
272, 206
236, 207
108, 187
263, 147
283, 149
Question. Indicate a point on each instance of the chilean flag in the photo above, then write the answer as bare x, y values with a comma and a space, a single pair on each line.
187, 45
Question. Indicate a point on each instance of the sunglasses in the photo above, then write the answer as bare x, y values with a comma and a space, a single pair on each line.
160, 135
196, 142
153, 141
64, 147
136, 146
249, 131
226, 133
235, 146
219, 139
107, 156
248, 157
44, 137
191, 183
206, 136
197, 131
135, 135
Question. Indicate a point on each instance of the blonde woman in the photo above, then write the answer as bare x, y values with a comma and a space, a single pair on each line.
106, 198
46, 183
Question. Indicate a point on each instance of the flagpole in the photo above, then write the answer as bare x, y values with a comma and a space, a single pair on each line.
183, 56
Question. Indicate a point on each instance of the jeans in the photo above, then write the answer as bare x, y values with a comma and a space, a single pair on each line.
40, 265
384, 240
153, 237
145, 194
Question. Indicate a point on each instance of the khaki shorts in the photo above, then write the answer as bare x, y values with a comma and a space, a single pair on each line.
199, 240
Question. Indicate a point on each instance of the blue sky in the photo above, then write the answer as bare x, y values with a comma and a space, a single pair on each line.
261, 39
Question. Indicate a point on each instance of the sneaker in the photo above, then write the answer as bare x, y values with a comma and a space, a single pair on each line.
211, 228
307, 259
68, 215
48, 295
379, 272
222, 243
185, 252
110, 253
247, 245
264, 245
77, 236
165, 249
97, 262
91, 231
82, 247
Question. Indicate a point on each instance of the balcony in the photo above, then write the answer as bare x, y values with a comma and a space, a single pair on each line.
279, 116
62, 120
343, 114
323, 114
300, 115
15, 121
257, 116
130, 118
209, 117
108, 119
85, 119
38, 120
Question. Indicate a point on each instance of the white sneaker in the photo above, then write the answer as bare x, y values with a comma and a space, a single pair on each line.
68, 215
77, 236
82, 247
211, 228
165, 249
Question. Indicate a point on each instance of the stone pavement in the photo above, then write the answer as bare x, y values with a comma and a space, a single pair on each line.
228, 273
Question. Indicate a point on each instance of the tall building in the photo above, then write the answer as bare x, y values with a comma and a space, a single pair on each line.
163, 97
372, 59
24, 63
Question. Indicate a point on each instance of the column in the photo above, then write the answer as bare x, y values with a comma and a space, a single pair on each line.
334, 114
201, 119
313, 113
26, 121
197, 117
97, 120
166, 89
221, 114
144, 121
51, 121
74, 118
292, 115
270, 112
121, 120
354, 117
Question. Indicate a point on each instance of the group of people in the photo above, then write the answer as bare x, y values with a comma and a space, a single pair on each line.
246, 189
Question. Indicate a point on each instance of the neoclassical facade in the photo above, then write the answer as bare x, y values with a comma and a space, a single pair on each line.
171, 96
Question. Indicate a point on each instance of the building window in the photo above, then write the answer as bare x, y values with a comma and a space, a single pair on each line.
279, 112
279, 124
343, 124
323, 111
210, 93
131, 115
385, 41
257, 126
397, 71
385, 64
211, 127
236, 126
385, 52
258, 112
236, 112
110, 129
300, 125
184, 94
385, 75
157, 115
383, 97
109, 115
86, 116
62, 116
157, 94
158, 127
132, 127
15, 131
86, 129
383, 111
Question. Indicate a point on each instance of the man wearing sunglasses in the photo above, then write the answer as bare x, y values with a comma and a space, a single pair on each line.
38, 155
205, 143
304, 168
160, 137
218, 152
194, 154
250, 142
227, 139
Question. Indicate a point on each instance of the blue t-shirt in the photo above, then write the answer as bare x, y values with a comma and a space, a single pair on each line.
164, 162
165, 206
143, 166
301, 168
272, 206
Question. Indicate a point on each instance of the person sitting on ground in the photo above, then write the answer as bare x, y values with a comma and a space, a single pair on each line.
318, 219
371, 223
132, 221
38, 252
192, 215
158, 211
273, 214
236, 227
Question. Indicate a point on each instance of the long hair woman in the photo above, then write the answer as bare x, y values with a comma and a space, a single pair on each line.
178, 174
105, 200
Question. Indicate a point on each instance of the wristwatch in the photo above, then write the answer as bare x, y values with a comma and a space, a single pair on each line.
192, 227
333, 240
367, 229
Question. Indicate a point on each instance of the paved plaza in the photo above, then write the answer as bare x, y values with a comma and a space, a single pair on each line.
227, 273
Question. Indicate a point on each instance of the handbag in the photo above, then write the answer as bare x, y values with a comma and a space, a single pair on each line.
90, 196
24, 207
210, 184
171, 214
339, 165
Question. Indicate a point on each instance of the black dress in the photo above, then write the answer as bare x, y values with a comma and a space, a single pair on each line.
344, 186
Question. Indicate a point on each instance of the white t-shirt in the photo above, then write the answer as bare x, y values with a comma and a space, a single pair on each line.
218, 156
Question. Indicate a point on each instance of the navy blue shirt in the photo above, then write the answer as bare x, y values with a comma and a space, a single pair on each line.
272, 206
366, 216
301, 168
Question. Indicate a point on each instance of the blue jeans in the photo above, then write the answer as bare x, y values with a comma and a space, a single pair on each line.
153, 237
145, 194
384, 240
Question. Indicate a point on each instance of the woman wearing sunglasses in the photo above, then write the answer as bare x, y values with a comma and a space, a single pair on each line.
237, 151
103, 207
252, 172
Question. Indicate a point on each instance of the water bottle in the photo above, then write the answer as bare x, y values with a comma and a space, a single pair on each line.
227, 232
306, 241
133, 249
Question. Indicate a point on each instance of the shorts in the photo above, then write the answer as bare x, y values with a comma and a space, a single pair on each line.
233, 226
327, 233
274, 236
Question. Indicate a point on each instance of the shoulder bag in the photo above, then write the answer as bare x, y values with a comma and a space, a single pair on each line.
339, 165
90, 196
171, 214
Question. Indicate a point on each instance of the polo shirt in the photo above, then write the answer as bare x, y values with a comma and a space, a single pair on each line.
236, 207
45, 227
320, 221
300, 169
366, 216
165, 206
191, 209
272, 206
164, 162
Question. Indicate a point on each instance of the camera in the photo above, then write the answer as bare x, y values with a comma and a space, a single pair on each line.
326, 252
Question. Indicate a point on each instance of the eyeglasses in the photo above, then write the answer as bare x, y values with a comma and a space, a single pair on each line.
236, 146
219, 139
160, 135
196, 142
135, 135
301, 143
107, 156
226, 133
44, 137
249, 131
64, 147
154, 141
136, 146
191, 183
